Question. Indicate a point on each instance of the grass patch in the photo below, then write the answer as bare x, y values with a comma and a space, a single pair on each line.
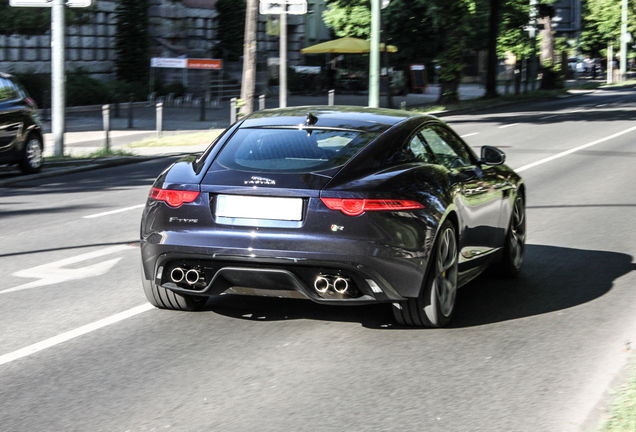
179, 140
621, 83
623, 412
99, 154
490, 102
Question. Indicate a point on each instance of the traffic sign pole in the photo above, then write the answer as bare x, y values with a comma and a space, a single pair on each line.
374, 56
57, 76
282, 69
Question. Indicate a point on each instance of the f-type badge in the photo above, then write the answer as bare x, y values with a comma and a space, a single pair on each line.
261, 181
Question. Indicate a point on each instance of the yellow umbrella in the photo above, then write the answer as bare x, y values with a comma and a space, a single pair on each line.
346, 45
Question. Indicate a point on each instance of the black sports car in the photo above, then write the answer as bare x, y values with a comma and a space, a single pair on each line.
338, 205
20, 129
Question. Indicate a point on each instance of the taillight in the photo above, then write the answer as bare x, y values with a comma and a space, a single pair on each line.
355, 207
174, 198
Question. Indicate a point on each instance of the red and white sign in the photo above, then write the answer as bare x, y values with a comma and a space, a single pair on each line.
205, 64
181, 63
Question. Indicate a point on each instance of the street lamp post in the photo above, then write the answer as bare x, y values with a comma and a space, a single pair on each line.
374, 56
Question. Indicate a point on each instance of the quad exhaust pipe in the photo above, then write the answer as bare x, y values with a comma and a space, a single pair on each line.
190, 276
323, 283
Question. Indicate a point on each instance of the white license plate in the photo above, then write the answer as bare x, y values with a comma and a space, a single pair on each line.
252, 207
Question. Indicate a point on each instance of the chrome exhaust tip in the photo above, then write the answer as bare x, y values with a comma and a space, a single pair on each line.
321, 284
177, 274
341, 285
192, 276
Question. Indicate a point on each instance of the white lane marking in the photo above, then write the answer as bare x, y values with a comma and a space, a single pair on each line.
72, 334
567, 152
550, 116
508, 125
601, 105
470, 134
113, 211
53, 273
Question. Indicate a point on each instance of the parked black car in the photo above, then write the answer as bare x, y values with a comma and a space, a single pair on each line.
338, 205
21, 139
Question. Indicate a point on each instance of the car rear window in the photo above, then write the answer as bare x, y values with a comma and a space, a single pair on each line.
291, 150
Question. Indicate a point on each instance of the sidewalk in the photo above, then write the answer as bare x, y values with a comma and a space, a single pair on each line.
85, 133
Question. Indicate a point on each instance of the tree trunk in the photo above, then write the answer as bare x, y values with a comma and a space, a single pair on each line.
492, 68
547, 42
248, 85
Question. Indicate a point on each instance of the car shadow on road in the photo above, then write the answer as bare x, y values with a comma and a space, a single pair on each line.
553, 279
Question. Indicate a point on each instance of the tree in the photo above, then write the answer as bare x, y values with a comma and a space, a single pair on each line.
249, 58
132, 40
349, 17
602, 24
492, 68
230, 29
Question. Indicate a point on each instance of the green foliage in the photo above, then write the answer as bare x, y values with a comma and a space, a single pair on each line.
30, 21
602, 24
349, 17
230, 28
132, 40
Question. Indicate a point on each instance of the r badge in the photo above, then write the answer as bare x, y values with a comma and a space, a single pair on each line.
336, 228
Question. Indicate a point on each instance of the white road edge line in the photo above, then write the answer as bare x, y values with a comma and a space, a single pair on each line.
567, 152
508, 125
470, 134
550, 116
113, 212
64, 337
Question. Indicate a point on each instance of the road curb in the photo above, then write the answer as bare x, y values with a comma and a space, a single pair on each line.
60, 168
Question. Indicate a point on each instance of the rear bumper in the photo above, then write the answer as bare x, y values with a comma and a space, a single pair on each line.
284, 274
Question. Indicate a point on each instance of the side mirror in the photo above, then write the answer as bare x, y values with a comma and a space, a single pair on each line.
492, 156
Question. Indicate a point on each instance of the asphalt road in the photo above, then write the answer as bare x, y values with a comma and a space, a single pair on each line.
81, 350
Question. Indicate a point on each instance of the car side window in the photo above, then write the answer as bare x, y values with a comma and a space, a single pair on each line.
447, 150
6, 90
418, 148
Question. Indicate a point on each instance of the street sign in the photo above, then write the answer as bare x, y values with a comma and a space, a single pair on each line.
182, 63
49, 3
277, 7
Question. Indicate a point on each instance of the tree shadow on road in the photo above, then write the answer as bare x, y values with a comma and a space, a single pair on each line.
553, 279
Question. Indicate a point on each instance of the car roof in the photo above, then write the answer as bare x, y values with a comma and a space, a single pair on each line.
353, 117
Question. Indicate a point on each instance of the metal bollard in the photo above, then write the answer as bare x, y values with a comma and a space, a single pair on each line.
403, 105
131, 97
202, 109
232, 110
261, 102
116, 105
332, 94
159, 119
106, 118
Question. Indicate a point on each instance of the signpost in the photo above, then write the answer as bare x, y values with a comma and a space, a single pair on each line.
283, 8
49, 3
57, 61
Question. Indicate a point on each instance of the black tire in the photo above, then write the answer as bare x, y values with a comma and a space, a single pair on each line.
31, 158
163, 298
515, 248
436, 303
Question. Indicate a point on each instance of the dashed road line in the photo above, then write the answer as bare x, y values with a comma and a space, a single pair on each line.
469, 135
508, 125
113, 212
574, 150
64, 337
